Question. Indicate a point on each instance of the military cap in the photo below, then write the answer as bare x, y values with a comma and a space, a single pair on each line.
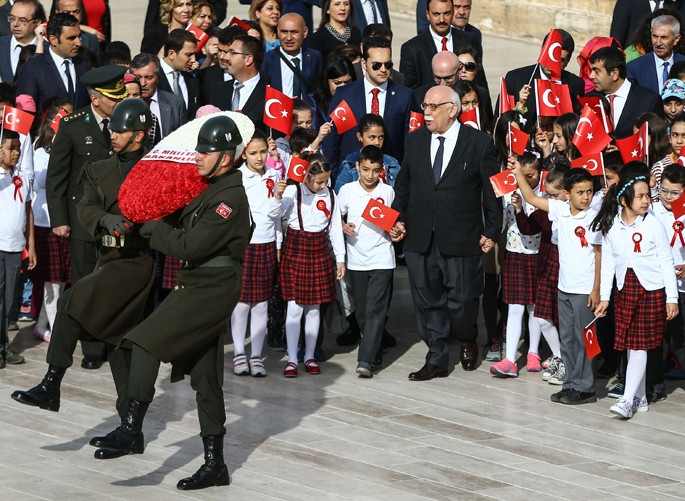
107, 80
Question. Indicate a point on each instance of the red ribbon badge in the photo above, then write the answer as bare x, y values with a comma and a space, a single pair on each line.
637, 238
383, 176
270, 184
18, 183
321, 205
678, 227
580, 233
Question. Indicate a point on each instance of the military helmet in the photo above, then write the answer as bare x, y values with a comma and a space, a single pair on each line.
219, 133
130, 114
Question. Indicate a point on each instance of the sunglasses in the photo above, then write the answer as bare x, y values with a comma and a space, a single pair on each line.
468, 66
376, 65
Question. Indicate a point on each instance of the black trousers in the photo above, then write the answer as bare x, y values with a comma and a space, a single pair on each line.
446, 292
371, 291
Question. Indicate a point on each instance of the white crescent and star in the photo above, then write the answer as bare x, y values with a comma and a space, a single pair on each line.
340, 108
506, 179
471, 123
550, 52
376, 209
12, 120
589, 335
267, 107
414, 123
545, 98
594, 163
298, 170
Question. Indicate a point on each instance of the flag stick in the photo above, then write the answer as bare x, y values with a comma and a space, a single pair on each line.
509, 136
533, 74
647, 145
593, 321
2, 124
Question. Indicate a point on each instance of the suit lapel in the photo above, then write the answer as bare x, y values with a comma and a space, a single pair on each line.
165, 114
456, 153
52, 70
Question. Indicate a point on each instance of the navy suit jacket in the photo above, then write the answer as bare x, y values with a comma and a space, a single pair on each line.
395, 115
643, 70
640, 100
6, 72
41, 79
310, 66
359, 19
628, 14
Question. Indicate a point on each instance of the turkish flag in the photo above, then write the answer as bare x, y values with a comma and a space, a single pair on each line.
518, 140
552, 99
381, 215
278, 110
343, 118
471, 118
503, 183
58, 118
506, 102
634, 147
594, 164
298, 169
681, 158
201, 36
543, 176
17, 120
550, 55
591, 344
590, 136
415, 121
234, 21
591, 101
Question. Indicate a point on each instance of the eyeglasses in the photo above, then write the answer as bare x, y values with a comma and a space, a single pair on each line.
448, 80
234, 53
376, 65
671, 193
21, 20
467, 66
433, 106
74, 12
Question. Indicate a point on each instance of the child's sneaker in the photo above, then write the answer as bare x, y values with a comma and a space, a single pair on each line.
558, 377
533, 362
240, 367
640, 404
12, 357
505, 368
548, 361
552, 368
622, 408
493, 351
617, 391
364, 369
257, 368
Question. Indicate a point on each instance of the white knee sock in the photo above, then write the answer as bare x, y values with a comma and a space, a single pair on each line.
292, 329
551, 336
239, 327
258, 319
635, 374
514, 326
311, 330
534, 332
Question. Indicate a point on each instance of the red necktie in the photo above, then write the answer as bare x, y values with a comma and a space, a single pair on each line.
611, 98
375, 105
444, 43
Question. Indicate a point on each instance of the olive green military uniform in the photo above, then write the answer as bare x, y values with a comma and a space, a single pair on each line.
189, 327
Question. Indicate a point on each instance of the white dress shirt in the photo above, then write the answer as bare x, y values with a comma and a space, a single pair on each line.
263, 207
659, 63
382, 95
246, 91
155, 110
675, 240
15, 49
437, 40
450, 136
620, 100
169, 73
59, 62
13, 220
287, 76
368, 12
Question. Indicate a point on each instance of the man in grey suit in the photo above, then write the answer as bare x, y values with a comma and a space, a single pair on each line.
26, 15
168, 108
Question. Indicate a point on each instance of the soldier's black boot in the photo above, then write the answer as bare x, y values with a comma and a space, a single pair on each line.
46, 395
213, 472
127, 438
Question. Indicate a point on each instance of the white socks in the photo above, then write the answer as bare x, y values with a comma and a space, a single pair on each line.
635, 374
257, 313
514, 327
292, 329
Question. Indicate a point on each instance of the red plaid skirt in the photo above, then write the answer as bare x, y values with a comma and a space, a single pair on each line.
307, 271
546, 296
259, 272
53, 257
518, 278
640, 315
172, 265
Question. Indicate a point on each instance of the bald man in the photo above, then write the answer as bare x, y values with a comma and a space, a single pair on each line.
445, 66
293, 70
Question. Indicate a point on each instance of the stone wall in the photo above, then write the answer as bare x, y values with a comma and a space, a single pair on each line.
584, 19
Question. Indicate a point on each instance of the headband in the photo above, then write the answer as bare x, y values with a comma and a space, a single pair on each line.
627, 185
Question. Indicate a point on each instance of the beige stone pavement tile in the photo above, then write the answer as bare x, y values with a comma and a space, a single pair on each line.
626, 475
634, 493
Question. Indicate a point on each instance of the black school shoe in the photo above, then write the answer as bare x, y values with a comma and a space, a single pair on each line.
556, 397
575, 397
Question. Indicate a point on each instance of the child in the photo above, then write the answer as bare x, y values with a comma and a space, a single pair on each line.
260, 262
579, 265
307, 268
370, 256
676, 137
518, 275
637, 254
546, 306
673, 97
16, 233
370, 131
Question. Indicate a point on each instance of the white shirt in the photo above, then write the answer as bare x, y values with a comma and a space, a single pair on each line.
437, 40
652, 263
674, 240
15, 49
516, 242
576, 262
370, 248
368, 87
13, 210
246, 91
169, 73
265, 211
659, 63
314, 219
287, 75
368, 12
620, 100
154, 109
450, 136
39, 204
59, 62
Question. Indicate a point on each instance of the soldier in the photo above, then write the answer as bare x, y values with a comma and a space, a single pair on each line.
189, 327
83, 137
107, 303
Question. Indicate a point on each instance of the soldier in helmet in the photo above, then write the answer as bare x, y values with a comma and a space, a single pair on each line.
210, 238
106, 304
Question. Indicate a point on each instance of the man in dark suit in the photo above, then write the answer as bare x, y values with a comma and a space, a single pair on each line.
373, 31
75, 8
449, 216
58, 71
366, 12
462, 15
278, 63
5, 29
628, 100
628, 14
375, 93
417, 53
245, 92
215, 74
26, 15
651, 70
519, 77
169, 109
180, 47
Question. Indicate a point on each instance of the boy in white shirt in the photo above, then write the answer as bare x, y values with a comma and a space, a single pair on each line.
579, 276
370, 255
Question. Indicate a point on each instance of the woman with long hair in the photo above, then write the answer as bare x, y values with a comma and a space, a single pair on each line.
267, 13
337, 71
335, 28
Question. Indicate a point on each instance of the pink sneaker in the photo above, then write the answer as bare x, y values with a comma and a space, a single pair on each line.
533, 363
505, 368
